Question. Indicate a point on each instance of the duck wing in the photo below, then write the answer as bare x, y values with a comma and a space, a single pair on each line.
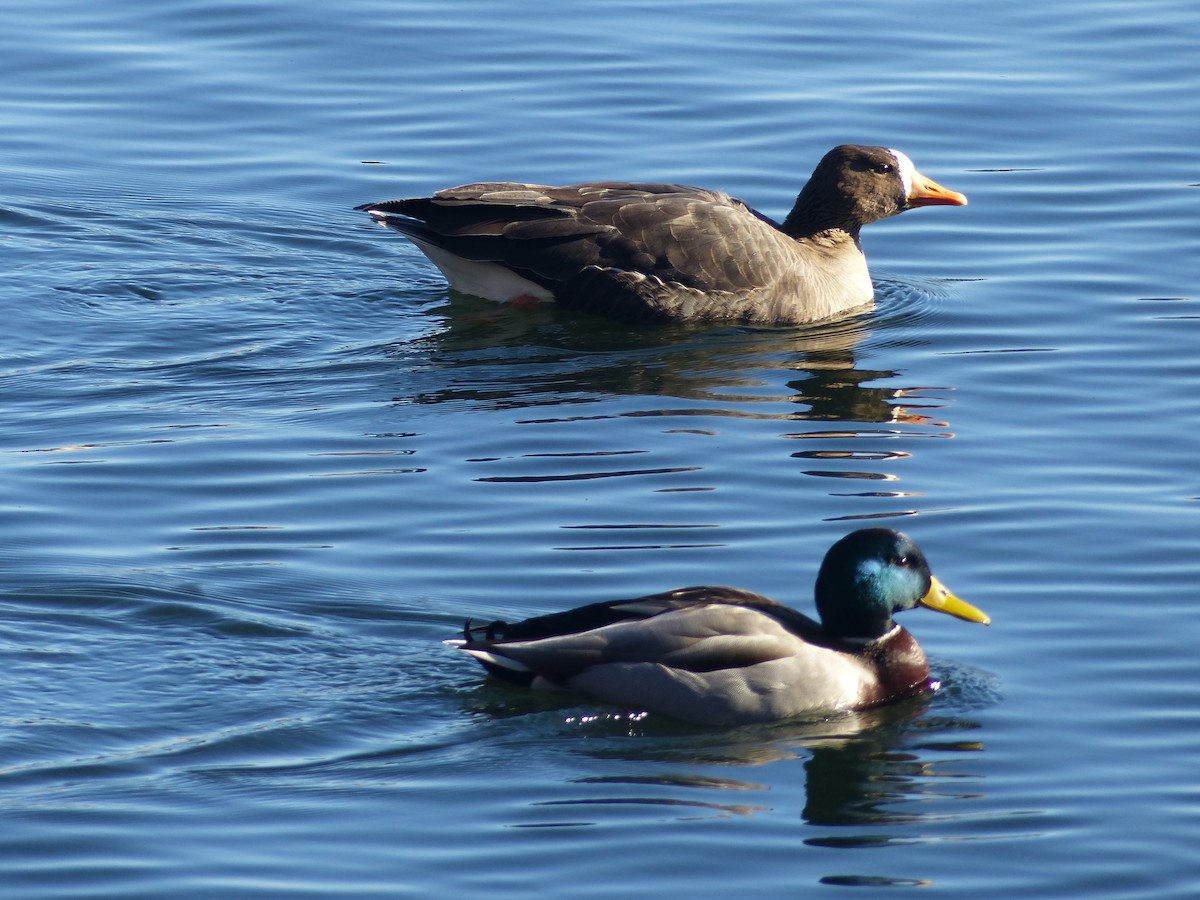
696, 629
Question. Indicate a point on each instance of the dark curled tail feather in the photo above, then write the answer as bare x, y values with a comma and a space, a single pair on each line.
479, 636
492, 631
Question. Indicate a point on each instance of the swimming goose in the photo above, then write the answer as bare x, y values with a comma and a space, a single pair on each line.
724, 656
660, 252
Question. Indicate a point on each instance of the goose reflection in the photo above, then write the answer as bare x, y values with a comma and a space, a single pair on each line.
501, 358
579, 388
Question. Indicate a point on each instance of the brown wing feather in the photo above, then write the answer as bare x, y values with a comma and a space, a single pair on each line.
648, 241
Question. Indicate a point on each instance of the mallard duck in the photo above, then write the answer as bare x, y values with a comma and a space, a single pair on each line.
646, 252
723, 656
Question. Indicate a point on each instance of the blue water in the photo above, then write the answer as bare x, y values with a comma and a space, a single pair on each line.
256, 461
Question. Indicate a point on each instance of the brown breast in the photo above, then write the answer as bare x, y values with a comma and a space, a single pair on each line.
902, 667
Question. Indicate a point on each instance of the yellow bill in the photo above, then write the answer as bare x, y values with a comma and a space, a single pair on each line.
939, 598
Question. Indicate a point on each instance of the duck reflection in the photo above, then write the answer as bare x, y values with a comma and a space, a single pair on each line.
863, 771
860, 768
875, 779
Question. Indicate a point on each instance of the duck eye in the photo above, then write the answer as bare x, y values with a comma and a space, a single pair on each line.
883, 168
904, 561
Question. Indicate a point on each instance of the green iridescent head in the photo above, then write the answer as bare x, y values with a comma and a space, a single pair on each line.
873, 573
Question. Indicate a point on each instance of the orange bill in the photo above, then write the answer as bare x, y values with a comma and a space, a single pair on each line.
927, 192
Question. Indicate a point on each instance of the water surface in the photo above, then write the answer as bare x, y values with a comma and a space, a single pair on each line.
257, 462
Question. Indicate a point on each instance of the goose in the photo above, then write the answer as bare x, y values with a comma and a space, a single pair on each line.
651, 252
727, 656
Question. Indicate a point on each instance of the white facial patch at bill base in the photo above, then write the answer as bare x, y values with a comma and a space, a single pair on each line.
906, 169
